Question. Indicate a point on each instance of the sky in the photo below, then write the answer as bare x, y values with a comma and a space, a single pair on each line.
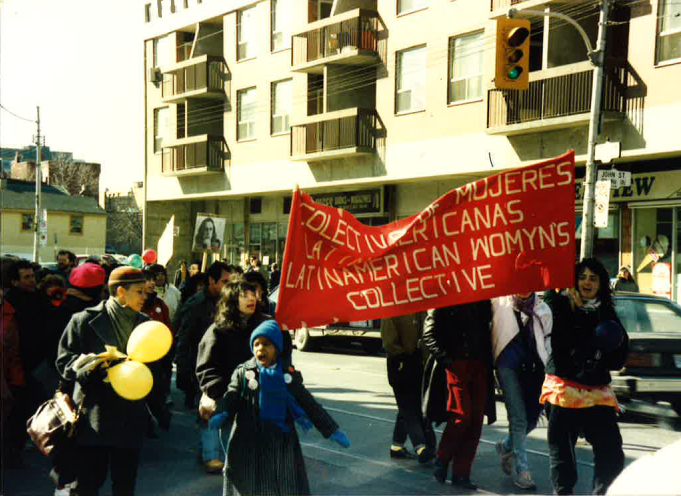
81, 61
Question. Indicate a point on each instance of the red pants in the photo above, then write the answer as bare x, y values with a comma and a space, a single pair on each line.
467, 386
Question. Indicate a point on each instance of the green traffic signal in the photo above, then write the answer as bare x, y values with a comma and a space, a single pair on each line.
514, 73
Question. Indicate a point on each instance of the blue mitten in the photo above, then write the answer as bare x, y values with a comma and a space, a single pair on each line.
341, 438
304, 423
217, 420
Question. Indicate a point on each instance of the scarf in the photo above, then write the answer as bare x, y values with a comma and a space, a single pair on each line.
275, 400
122, 320
591, 305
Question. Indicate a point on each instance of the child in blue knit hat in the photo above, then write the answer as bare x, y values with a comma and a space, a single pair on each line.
264, 454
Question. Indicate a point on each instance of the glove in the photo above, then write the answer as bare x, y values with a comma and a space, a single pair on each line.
207, 407
341, 438
84, 363
217, 420
304, 423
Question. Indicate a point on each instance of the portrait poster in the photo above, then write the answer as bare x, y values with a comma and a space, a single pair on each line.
209, 232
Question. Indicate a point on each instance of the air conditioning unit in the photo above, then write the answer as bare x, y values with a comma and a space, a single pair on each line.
155, 75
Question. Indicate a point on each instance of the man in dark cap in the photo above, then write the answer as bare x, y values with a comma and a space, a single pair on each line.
112, 432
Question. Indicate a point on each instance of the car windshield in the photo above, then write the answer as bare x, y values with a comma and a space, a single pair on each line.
639, 315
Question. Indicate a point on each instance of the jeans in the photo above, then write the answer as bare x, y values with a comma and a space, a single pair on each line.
521, 396
214, 441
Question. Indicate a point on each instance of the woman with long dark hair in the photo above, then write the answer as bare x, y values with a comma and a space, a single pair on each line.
587, 341
207, 237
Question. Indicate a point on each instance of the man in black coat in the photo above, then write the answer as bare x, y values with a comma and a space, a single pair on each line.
459, 338
111, 428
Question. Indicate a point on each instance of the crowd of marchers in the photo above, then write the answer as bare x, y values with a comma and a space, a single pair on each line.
550, 356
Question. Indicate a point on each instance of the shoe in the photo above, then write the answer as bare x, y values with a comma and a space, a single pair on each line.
213, 466
424, 455
401, 453
441, 469
524, 480
64, 491
507, 459
463, 482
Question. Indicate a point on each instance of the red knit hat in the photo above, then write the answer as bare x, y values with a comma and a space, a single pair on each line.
87, 276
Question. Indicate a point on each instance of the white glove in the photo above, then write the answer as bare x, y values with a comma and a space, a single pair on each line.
207, 406
84, 363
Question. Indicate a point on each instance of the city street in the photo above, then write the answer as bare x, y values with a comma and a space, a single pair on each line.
354, 389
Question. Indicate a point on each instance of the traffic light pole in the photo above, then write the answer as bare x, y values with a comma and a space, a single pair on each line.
597, 58
38, 195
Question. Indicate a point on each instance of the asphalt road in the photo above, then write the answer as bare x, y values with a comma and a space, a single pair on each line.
354, 388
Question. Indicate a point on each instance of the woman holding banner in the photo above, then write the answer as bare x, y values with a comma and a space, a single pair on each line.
587, 341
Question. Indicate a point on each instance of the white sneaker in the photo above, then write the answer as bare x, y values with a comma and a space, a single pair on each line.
64, 491
507, 458
524, 480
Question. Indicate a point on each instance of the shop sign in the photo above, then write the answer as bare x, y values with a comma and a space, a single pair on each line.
366, 201
652, 186
617, 178
662, 279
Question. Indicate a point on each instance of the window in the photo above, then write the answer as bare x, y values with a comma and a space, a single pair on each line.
76, 224
669, 38
255, 205
410, 5
26, 222
246, 30
161, 127
324, 9
245, 114
465, 67
281, 106
411, 80
281, 24
161, 51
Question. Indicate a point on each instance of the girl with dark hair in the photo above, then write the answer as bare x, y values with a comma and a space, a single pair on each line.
207, 236
587, 341
193, 285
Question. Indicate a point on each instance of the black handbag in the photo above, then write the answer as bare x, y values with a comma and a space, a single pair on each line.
54, 422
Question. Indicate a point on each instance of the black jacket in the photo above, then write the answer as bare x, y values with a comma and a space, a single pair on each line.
107, 419
574, 355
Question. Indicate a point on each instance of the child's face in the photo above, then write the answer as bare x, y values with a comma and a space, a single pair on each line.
264, 351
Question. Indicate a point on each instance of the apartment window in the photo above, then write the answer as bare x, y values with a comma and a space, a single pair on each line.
282, 101
669, 37
255, 205
26, 222
246, 114
465, 67
411, 80
247, 32
324, 9
161, 127
281, 24
404, 6
76, 224
161, 51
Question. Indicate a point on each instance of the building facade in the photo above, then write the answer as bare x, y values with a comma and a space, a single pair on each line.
74, 223
381, 106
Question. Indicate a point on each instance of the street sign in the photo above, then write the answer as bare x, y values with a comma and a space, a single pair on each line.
602, 204
617, 178
42, 239
606, 152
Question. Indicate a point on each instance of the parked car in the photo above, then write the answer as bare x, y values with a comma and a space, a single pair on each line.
366, 332
650, 382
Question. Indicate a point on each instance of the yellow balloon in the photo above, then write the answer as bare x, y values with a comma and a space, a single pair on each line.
149, 341
131, 380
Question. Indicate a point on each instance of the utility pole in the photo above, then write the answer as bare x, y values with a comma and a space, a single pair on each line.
38, 196
597, 58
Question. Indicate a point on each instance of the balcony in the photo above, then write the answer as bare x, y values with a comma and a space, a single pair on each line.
350, 38
557, 98
196, 155
345, 133
199, 77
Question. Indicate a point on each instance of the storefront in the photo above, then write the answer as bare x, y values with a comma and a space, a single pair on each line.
644, 228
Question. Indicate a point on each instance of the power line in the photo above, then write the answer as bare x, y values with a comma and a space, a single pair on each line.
15, 115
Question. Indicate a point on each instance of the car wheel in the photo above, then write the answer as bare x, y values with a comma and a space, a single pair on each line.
302, 339
372, 347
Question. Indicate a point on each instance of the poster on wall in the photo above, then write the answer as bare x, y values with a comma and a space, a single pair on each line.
662, 279
209, 232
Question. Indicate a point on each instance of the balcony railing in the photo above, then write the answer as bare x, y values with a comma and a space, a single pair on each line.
194, 155
351, 39
500, 4
554, 101
199, 77
335, 135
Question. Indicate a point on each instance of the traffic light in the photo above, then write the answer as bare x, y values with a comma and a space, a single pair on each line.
512, 67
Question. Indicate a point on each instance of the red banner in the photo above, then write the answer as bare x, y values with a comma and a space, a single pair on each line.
509, 233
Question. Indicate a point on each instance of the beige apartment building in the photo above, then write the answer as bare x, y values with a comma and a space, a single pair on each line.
381, 106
